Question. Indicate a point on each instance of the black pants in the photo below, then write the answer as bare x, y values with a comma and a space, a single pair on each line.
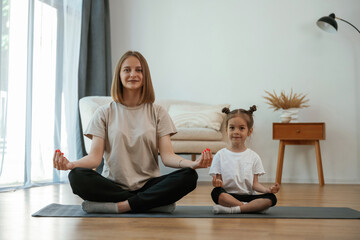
242, 198
159, 191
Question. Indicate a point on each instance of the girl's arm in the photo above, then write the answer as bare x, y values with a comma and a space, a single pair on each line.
92, 160
217, 181
170, 159
260, 188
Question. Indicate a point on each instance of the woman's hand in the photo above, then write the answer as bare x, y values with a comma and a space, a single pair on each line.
217, 181
60, 162
204, 160
275, 188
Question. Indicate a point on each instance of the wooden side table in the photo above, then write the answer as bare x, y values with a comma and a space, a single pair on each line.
299, 134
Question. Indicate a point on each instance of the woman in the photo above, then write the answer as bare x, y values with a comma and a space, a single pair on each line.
129, 133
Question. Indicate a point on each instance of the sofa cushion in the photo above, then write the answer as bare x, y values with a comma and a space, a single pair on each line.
191, 134
197, 146
197, 116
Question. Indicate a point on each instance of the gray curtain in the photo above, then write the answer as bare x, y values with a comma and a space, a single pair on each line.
95, 73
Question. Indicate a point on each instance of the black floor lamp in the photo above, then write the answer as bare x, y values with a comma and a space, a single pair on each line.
328, 23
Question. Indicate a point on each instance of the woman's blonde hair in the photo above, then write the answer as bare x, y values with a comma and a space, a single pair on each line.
117, 88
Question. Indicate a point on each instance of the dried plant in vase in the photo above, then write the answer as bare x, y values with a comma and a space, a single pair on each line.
287, 103
283, 101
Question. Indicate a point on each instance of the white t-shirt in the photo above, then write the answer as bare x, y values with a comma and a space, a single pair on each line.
237, 170
131, 141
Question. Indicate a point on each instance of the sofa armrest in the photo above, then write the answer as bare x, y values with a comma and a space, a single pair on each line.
87, 108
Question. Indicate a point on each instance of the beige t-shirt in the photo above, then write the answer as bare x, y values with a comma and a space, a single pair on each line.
131, 141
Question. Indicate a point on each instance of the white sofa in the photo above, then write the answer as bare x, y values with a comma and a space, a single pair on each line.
191, 138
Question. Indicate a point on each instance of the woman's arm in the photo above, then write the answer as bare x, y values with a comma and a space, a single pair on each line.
170, 159
92, 160
260, 188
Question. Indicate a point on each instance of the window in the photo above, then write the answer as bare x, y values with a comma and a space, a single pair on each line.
40, 42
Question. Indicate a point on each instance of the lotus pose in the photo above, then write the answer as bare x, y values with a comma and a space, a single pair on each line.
129, 133
235, 170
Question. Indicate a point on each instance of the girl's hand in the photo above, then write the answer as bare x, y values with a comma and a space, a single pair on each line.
275, 188
217, 181
204, 160
60, 162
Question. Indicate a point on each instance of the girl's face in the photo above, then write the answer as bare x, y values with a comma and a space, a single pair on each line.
238, 131
131, 74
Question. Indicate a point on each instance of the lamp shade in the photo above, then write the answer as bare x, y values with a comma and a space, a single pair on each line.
328, 23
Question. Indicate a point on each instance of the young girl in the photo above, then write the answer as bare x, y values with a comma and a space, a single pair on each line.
235, 170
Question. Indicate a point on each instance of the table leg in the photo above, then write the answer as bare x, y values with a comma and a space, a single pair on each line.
319, 163
280, 161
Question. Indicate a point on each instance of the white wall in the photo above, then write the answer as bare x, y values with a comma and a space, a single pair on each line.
230, 51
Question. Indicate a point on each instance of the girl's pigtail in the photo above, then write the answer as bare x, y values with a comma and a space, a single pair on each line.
252, 109
226, 110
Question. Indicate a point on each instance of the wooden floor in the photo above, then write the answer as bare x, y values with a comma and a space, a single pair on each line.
16, 221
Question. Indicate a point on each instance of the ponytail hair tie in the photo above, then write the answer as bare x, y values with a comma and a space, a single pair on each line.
226, 110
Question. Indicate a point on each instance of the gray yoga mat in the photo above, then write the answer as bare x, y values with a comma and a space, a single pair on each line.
59, 210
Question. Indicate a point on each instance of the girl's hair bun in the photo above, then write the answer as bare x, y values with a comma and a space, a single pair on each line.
252, 109
226, 110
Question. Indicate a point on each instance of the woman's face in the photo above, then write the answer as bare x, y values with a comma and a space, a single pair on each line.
131, 74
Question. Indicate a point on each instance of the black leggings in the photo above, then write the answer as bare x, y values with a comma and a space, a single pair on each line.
242, 198
158, 191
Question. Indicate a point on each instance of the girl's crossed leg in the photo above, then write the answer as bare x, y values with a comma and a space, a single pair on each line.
236, 203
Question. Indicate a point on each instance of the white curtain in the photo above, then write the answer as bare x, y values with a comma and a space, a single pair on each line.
39, 83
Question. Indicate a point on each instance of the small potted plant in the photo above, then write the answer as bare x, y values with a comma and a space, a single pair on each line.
290, 104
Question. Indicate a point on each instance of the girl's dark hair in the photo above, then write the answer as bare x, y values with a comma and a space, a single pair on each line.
247, 115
